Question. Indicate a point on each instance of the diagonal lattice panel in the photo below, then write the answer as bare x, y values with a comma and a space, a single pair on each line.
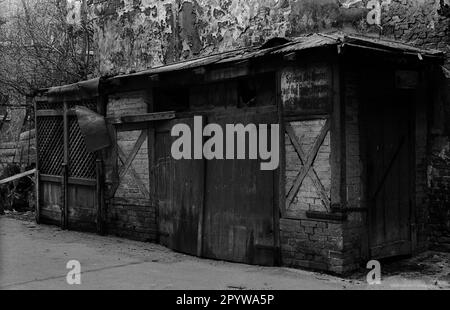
45, 105
90, 104
51, 144
81, 162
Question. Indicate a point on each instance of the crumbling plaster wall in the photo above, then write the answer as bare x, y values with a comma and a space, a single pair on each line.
134, 35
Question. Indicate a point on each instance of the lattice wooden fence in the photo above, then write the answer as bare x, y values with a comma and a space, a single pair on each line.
50, 135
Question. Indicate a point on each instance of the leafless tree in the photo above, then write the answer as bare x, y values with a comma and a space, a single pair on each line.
39, 48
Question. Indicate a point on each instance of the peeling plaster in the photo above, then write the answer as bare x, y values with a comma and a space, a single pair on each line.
134, 35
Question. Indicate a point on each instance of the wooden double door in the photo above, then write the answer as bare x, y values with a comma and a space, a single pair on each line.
390, 155
220, 209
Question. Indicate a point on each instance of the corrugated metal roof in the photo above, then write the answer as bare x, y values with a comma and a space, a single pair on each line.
77, 91
309, 41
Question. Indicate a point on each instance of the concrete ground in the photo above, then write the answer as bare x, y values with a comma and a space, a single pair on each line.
35, 257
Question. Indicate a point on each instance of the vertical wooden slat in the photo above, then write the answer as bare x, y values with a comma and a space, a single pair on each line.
280, 174
201, 210
337, 143
37, 180
65, 167
37, 193
151, 143
100, 196
64, 196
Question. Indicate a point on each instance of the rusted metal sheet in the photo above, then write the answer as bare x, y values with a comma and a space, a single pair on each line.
93, 127
310, 41
74, 92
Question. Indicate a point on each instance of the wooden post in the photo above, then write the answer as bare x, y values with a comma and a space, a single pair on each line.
100, 197
280, 175
65, 168
338, 190
37, 194
102, 103
64, 196
201, 211
37, 185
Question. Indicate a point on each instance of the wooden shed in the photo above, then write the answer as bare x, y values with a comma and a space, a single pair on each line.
354, 114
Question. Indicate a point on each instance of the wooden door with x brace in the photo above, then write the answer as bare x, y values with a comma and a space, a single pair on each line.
390, 171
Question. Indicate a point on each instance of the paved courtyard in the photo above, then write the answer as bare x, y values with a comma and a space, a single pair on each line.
35, 257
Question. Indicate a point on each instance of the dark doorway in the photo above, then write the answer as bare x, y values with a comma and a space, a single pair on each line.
389, 139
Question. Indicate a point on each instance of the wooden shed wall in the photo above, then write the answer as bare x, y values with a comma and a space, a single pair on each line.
311, 234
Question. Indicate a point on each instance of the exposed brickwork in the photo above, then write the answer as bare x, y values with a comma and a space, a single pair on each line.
308, 198
313, 244
423, 23
134, 219
131, 213
439, 184
305, 242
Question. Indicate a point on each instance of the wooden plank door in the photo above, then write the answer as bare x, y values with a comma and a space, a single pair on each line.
67, 171
239, 205
390, 173
178, 193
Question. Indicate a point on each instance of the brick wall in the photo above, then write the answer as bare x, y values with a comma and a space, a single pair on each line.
439, 177
309, 242
313, 244
131, 213
307, 198
424, 23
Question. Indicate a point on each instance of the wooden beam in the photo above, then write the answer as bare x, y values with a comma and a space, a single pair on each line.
129, 160
337, 143
308, 164
311, 173
141, 118
40, 113
37, 214
65, 168
136, 177
18, 176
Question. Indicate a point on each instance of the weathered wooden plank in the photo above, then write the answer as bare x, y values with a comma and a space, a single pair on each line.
18, 176
37, 187
65, 196
337, 143
141, 118
41, 113
100, 197
239, 205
